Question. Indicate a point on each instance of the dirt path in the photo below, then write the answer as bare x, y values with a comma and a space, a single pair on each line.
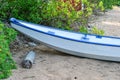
54, 65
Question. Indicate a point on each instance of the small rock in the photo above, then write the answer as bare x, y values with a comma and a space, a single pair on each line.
26, 45
75, 77
32, 44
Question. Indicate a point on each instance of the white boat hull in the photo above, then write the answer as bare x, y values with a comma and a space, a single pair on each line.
82, 49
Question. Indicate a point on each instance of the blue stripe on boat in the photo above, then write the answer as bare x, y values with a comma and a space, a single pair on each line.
15, 21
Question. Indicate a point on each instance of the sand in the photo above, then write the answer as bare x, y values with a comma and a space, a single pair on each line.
54, 65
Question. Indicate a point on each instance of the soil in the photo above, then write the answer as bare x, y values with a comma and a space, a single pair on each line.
54, 65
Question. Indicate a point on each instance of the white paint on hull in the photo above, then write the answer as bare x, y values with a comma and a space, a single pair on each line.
73, 47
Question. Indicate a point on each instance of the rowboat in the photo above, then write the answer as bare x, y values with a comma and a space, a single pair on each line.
74, 43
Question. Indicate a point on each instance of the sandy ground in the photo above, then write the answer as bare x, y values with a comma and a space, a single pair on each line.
54, 65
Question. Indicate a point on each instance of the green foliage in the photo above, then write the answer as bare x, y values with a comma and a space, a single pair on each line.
94, 30
108, 4
28, 10
83, 29
58, 14
97, 31
6, 63
100, 5
55, 13
62, 14
10, 34
117, 3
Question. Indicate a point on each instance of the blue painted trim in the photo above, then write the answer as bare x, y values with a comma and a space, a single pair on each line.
15, 21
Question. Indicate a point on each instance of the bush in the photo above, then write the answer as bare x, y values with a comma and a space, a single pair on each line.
59, 14
28, 10
6, 63
62, 13
56, 13
108, 4
97, 31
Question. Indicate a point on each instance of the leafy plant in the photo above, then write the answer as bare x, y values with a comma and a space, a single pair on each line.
83, 29
63, 13
6, 62
57, 13
93, 30
107, 3
97, 31
28, 10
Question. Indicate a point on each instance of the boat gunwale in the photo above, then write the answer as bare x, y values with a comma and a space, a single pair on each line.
16, 21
